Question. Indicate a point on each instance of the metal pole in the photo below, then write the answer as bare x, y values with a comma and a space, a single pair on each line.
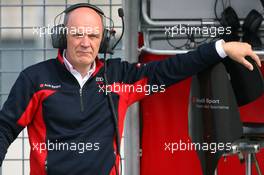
248, 164
0, 65
131, 135
44, 24
22, 67
256, 163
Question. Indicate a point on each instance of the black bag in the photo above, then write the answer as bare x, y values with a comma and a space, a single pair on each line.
213, 114
215, 96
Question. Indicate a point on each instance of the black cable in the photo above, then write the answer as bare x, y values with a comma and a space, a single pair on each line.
113, 109
223, 4
55, 19
110, 98
112, 24
215, 10
262, 3
121, 15
176, 47
229, 2
202, 41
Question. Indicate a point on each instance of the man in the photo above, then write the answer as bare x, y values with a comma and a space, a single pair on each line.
63, 104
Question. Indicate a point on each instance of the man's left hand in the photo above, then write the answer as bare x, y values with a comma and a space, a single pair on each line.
237, 51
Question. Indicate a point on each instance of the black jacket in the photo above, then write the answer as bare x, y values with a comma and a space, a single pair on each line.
58, 114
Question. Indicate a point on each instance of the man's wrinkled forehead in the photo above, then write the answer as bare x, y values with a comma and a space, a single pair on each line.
83, 16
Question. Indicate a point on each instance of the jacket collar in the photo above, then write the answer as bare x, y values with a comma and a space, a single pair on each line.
99, 62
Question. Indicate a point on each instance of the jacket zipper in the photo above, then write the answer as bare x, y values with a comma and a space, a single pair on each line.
81, 100
46, 165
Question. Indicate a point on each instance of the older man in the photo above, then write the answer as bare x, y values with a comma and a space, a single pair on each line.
61, 101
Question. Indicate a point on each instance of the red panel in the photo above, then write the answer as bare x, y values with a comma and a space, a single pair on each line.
232, 165
254, 112
165, 120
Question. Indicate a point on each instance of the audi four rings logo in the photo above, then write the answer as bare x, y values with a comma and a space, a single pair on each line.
99, 79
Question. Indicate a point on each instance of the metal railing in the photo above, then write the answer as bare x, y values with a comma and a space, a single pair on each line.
149, 24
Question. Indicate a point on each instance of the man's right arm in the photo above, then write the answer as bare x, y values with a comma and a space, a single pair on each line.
14, 107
